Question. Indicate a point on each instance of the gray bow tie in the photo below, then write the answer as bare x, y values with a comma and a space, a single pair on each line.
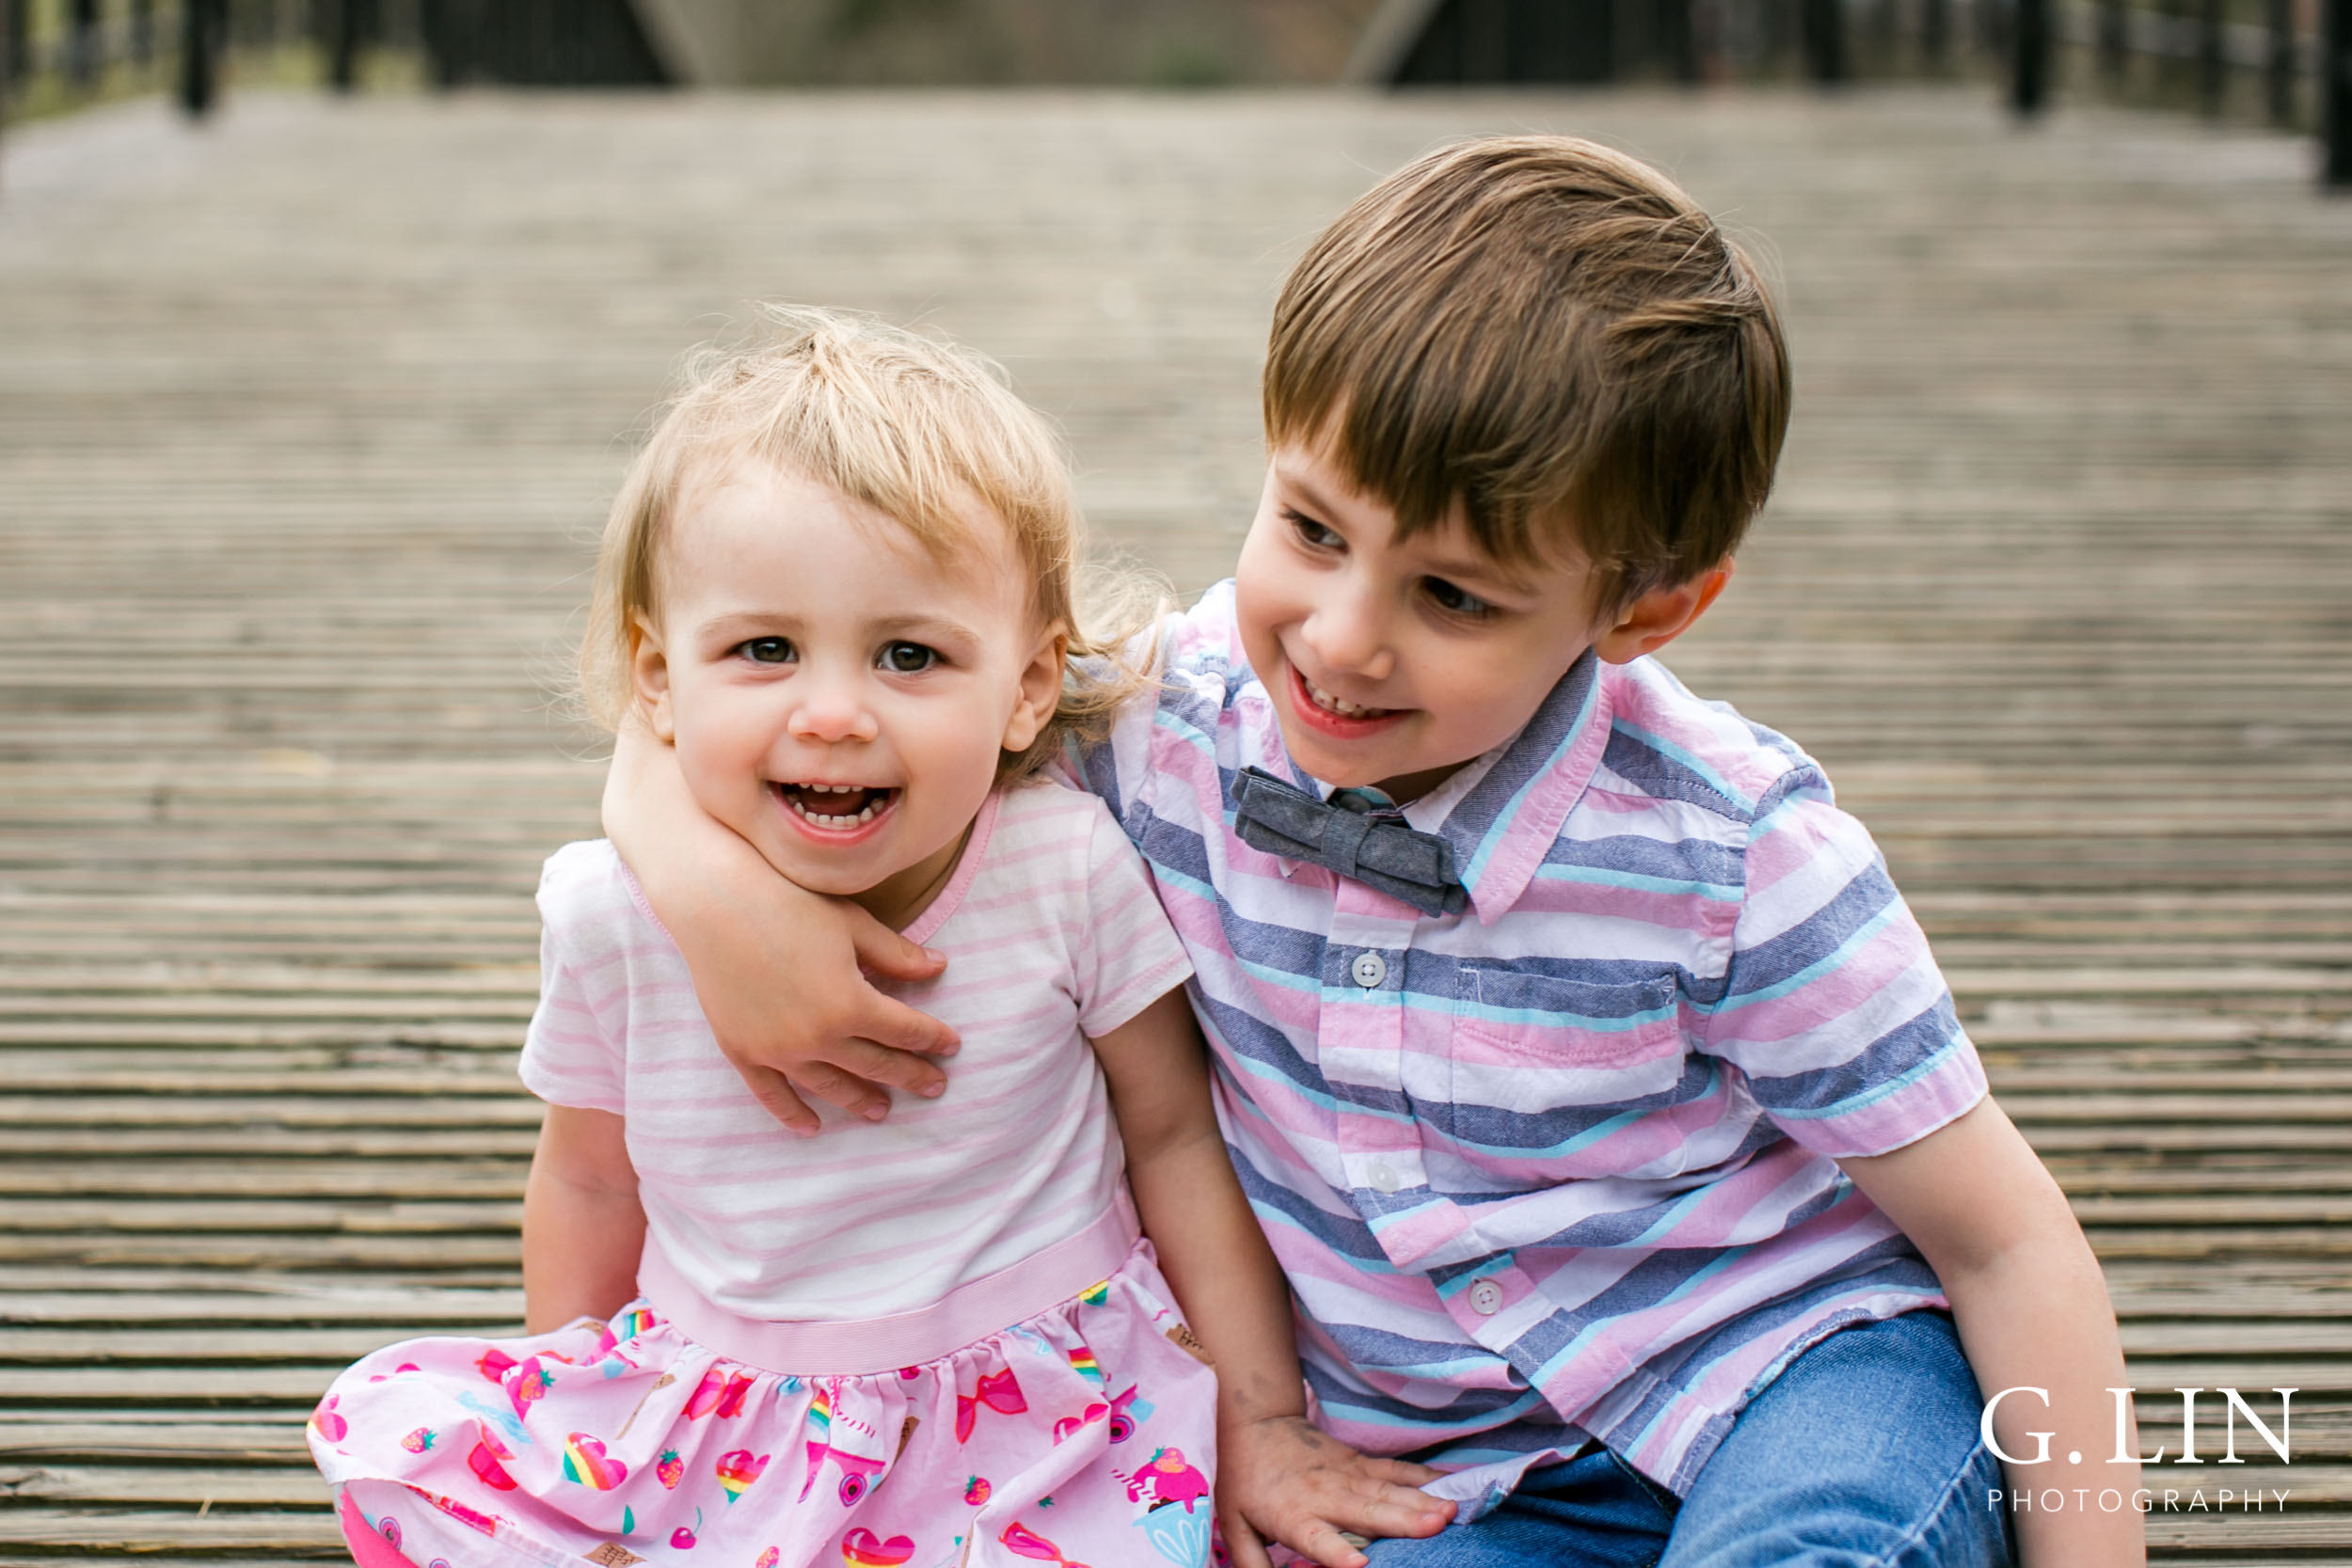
1341, 836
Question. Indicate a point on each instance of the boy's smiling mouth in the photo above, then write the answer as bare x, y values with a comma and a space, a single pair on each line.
1336, 715
836, 808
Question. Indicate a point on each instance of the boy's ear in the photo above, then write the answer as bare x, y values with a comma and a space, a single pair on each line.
1660, 616
649, 671
1040, 694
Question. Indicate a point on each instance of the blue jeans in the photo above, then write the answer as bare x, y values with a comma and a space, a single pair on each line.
1863, 1453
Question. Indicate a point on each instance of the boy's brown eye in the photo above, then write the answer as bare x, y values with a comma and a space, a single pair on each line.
1453, 600
1312, 532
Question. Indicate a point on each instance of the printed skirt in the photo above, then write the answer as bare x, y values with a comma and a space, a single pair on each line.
1082, 1435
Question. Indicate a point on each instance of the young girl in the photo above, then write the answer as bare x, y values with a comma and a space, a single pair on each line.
839, 583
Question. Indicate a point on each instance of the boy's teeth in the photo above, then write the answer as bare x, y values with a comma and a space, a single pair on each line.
1330, 703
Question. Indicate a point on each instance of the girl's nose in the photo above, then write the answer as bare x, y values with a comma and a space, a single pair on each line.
830, 709
1350, 636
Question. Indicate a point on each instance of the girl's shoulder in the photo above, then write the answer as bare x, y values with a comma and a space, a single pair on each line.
1042, 809
588, 899
1048, 838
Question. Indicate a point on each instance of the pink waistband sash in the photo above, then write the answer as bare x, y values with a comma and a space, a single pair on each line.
969, 1312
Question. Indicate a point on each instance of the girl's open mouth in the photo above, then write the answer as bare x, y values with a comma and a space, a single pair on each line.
836, 808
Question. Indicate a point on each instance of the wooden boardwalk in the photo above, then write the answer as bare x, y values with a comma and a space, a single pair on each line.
307, 420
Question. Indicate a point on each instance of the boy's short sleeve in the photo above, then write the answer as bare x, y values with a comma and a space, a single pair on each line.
1126, 955
572, 1053
1833, 1010
1117, 768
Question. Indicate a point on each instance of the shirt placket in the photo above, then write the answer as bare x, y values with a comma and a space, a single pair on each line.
1360, 1042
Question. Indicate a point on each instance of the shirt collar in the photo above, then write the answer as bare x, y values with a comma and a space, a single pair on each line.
1503, 809
1512, 801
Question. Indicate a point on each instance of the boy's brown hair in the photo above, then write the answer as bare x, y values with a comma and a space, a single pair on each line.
1552, 334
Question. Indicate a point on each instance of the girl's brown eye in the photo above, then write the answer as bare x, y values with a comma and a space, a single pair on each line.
908, 658
768, 650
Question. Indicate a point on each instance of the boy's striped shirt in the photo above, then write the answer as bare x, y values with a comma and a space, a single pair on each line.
1563, 1167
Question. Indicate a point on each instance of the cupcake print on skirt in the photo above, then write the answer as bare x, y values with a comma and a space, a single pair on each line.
1083, 1437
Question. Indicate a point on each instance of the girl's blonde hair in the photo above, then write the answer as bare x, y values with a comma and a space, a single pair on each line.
918, 429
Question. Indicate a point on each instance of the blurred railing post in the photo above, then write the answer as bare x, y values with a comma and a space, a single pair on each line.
2030, 77
203, 29
2115, 42
2278, 62
143, 31
2335, 79
1824, 24
2212, 79
440, 28
343, 43
1935, 33
82, 60
7, 56
1676, 33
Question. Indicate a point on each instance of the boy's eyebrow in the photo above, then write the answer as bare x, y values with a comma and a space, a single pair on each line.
1482, 568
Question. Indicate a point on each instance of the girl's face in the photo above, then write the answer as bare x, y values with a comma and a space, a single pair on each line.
837, 694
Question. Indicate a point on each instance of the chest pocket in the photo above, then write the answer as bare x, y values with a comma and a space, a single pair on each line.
1536, 1058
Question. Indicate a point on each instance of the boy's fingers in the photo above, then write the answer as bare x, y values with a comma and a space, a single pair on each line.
895, 1026
836, 1087
883, 951
1403, 1472
1242, 1547
1327, 1545
881, 1066
1397, 1510
771, 1089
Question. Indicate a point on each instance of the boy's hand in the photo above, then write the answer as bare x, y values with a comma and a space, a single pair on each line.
780, 972
795, 1014
1279, 1479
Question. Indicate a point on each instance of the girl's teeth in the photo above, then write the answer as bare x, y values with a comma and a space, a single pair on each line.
824, 819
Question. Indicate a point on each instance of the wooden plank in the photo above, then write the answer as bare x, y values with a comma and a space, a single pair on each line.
301, 466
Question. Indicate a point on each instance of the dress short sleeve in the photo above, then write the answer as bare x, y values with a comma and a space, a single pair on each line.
572, 1051
1126, 955
1834, 1010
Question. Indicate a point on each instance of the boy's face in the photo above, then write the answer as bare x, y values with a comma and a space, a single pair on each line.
1393, 662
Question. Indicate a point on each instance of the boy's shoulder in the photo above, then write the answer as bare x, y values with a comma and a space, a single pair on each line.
1667, 742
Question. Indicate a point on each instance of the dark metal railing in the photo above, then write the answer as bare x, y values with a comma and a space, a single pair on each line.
2290, 60
58, 53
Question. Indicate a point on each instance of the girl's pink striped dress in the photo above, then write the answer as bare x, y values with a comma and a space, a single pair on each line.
934, 1341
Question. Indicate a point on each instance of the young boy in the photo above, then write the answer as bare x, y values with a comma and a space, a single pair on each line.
1592, 1081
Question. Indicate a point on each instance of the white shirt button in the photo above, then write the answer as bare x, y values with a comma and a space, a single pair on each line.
1485, 1297
1369, 970
1384, 1176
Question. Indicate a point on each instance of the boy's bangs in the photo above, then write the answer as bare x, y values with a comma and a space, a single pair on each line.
1551, 337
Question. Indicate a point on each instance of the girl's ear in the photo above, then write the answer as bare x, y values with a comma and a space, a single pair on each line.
1040, 694
649, 669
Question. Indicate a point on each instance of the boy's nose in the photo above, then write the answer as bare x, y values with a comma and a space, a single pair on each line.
1349, 637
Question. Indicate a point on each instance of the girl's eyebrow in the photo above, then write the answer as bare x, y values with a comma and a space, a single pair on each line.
734, 624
